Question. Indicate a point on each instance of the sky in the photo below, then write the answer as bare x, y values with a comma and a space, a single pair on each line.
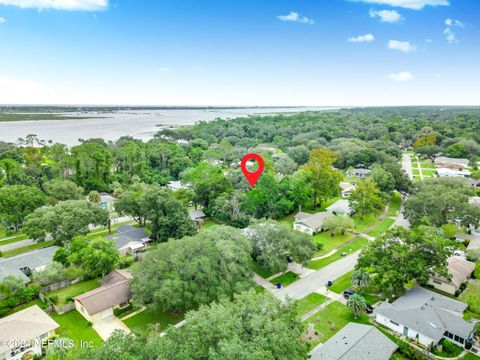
240, 52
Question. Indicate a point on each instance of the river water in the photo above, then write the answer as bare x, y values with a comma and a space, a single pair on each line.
141, 124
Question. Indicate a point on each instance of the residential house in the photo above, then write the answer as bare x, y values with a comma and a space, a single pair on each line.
340, 207
177, 185
107, 201
22, 333
355, 342
360, 173
427, 317
198, 216
475, 201
446, 172
23, 265
99, 303
459, 269
473, 182
130, 240
451, 163
310, 223
346, 188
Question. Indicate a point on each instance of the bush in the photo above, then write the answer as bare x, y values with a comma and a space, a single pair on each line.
30, 292
449, 349
117, 312
473, 255
125, 262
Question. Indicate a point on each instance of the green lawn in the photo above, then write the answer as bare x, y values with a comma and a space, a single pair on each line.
395, 203
331, 319
342, 283
470, 356
25, 249
12, 238
363, 224
309, 302
65, 294
415, 171
259, 270
382, 227
471, 295
285, 279
141, 322
75, 326
355, 245
209, 223
426, 164
330, 242
428, 172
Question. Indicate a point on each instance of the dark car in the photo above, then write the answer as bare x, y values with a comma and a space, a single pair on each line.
369, 309
348, 292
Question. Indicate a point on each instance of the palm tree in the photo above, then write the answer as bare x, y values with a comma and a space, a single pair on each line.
357, 304
360, 278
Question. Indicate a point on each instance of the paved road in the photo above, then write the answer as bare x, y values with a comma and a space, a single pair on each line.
407, 165
317, 279
400, 220
16, 245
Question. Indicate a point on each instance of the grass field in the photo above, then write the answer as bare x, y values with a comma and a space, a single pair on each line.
355, 245
395, 204
285, 279
75, 326
259, 270
415, 171
142, 322
331, 319
330, 242
381, 228
342, 283
428, 172
309, 302
363, 224
471, 295
65, 294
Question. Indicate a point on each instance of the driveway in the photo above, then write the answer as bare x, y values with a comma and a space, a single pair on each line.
107, 326
400, 219
407, 165
310, 283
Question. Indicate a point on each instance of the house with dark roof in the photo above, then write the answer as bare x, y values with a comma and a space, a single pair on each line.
310, 223
355, 342
99, 303
130, 240
23, 265
23, 333
427, 317
459, 269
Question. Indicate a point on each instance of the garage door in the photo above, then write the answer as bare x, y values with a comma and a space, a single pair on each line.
107, 313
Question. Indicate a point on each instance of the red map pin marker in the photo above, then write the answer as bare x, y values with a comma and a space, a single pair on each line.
252, 177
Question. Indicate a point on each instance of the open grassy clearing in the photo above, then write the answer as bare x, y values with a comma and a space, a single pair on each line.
309, 303
145, 320
361, 224
355, 245
285, 279
382, 227
342, 283
330, 242
395, 204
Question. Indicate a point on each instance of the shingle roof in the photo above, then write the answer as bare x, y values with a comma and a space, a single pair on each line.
128, 234
340, 206
459, 269
196, 214
356, 342
31, 259
24, 325
428, 313
448, 160
114, 291
313, 221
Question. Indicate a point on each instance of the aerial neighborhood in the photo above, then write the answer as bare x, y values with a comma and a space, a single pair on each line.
357, 244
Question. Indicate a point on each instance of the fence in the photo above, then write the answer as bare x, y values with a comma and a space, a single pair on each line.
59, 285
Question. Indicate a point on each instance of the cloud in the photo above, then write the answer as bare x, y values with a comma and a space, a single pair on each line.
453, 22
294, 17
164, 70
2, 20
449, 33
403, 46
408, 4
389, 16
401, 76
11, 90
362, 38
69, 5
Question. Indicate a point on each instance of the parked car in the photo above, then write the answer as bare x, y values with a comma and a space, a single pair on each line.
348, 292
369, 309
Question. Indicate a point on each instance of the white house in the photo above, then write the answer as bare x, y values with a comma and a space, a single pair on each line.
426, 317
98, 304
446, 172
347, 188
178, 185
310, 223
340, 207
22, 333
459, 269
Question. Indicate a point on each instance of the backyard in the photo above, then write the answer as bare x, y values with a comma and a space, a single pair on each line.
67, 293
143, 321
